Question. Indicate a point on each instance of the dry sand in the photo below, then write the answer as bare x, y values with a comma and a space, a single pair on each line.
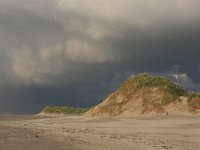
16, 137
83, 133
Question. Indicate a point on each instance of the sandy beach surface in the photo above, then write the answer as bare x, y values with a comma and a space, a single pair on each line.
82, 133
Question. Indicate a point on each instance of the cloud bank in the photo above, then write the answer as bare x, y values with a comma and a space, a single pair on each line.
75, 52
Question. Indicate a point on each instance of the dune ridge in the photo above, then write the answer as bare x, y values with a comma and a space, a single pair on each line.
147, 94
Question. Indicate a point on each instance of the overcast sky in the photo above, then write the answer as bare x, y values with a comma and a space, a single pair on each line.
75, 52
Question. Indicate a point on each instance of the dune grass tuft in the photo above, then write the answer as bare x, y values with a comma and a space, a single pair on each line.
194, 99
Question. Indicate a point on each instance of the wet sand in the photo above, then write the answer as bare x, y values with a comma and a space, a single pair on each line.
119, 133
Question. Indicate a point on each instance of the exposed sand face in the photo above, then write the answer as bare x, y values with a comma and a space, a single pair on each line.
141, 102
119, 133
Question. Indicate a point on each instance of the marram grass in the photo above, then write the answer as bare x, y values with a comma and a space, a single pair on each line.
145, 80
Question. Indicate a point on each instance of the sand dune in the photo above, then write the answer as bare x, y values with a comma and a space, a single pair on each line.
146, 94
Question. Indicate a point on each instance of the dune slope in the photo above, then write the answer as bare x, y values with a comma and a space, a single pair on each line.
146, 94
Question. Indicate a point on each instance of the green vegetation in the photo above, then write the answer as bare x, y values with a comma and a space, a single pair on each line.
145, 80
64, 110
192, 95
194, 99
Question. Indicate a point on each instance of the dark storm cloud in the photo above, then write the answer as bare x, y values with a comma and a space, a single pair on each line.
76, 52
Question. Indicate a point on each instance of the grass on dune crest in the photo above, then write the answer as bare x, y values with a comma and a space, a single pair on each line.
145, 80
194, 99
64, 110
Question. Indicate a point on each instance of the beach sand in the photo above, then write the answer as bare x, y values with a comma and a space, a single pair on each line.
82, 133
20, 138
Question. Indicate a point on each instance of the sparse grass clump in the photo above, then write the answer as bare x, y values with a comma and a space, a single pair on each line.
194, 99
191, 95
64, 110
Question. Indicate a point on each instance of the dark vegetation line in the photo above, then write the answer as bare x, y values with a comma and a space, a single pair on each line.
64, 110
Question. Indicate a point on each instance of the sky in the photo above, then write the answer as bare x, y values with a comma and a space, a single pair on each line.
76, 52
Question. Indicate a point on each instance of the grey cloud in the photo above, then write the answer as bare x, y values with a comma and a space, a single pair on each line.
81, 49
